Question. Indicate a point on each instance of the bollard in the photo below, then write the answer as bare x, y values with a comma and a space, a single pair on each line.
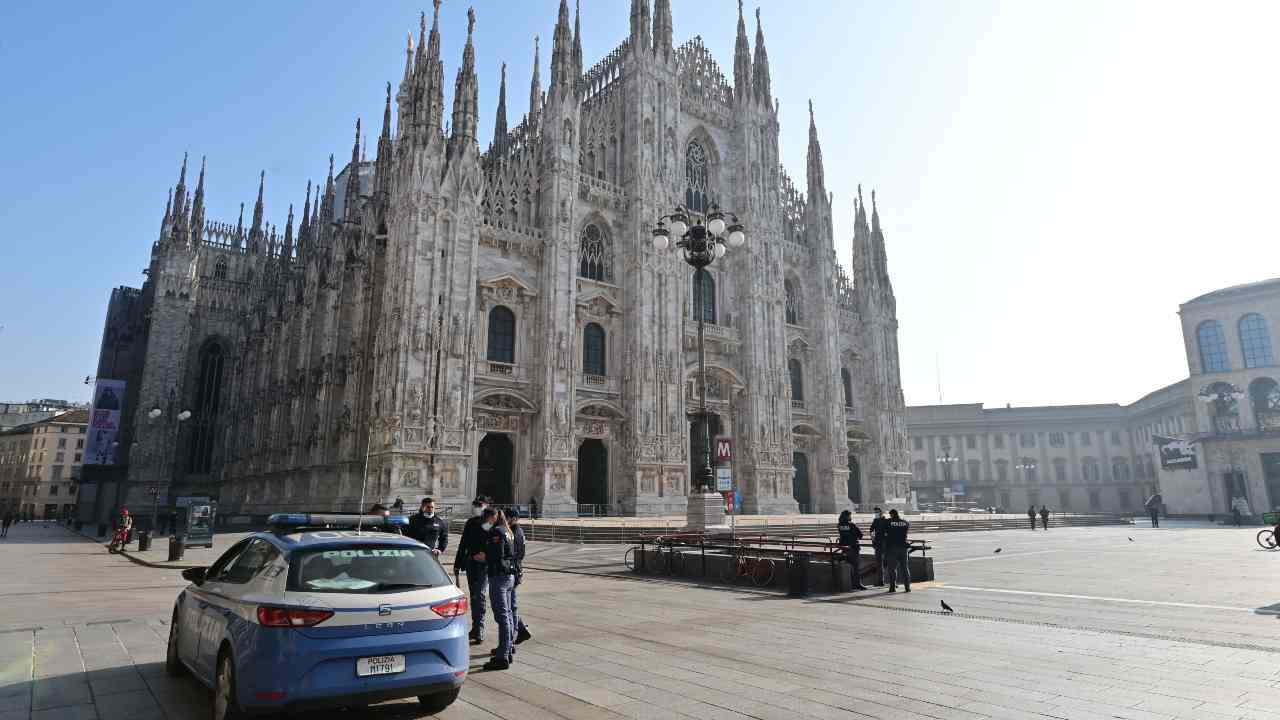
176, 547
144, 540
797, 575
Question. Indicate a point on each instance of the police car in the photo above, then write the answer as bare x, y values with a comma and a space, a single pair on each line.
322, 610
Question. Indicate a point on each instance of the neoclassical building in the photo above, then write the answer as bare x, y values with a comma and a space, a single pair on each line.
445, 320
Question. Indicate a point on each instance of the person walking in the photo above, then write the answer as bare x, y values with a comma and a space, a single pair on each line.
522, 631
498, 555
1044, 517
850, 541
1031, 513
878, 528
4, 524
428, 528
1152, 505
473, 541
896, 551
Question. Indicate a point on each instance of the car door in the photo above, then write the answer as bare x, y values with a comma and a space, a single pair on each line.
196, 608
225, 601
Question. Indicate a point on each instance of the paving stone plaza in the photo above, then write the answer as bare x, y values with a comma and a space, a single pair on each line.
1075, 623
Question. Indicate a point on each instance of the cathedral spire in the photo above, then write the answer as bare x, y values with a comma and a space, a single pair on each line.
465, 93
168, 215
382, 164
662, 28
351, 197
577, 39
304, 224
640, 24
180, 192
500, 120
320, 228
760, 70
286, 251
197, 208
535, 85
255, 231
742, 88
817, 186
408, 58
562, 79
427, 93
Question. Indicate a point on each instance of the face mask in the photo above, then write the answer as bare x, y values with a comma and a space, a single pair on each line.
486, 526
426, 514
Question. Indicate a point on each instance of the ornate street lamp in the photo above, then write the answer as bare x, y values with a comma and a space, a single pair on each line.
153, 415
946, 461
702, 240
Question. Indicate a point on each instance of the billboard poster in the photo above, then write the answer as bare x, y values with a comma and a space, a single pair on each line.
1175, 453
104, 422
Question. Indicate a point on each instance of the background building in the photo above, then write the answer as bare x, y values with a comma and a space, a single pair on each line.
447, 321
40, 465
13, 414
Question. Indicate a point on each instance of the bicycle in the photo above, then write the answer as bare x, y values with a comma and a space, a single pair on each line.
629, 558
739, 565
1269, 538
670, 560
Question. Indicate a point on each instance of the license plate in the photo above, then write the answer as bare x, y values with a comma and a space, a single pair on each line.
384, 665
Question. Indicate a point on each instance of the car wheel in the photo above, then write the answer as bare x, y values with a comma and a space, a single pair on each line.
437, 702
225, 706
172, 663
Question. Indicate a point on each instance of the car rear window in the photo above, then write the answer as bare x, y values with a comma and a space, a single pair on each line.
365, 569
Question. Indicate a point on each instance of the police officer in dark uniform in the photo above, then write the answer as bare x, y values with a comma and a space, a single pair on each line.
895, 552
473, 541
850, 540
878, 527
499, 556
428, 528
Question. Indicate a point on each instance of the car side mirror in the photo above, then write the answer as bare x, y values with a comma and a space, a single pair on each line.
194, 575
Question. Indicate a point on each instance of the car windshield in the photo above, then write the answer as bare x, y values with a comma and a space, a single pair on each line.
365, 569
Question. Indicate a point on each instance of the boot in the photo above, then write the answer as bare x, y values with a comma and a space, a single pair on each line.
522, 634
497, 663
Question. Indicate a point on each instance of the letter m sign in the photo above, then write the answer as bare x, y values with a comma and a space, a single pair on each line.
724, 450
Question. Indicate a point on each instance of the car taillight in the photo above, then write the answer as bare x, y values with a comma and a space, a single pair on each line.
291, 617
451, 608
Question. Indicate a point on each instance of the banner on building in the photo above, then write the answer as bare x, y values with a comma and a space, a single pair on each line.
104, 422
1176, 453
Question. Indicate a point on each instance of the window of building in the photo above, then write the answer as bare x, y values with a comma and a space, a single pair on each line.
1120, 471
793, 302
208, 406
1086, 438
971, 442
706, 299
593, 355
999, 438
502, 335
697, 174
1095, 500
1213, 347
1255, 341
1060, 470
1264, 395
60, 457
975, 472
847, 382
80, 444
1090, 470
79, 457
917, 443
594, 255
1027, 440
1057, 439
53, 489
57, 473
62, 443
797, 380
220, 269
1115, 437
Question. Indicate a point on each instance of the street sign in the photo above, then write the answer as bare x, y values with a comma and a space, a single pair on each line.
724, 450
724, 479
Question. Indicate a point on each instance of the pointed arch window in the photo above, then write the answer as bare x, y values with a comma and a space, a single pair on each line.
220, 269
697, 177
1213, 347
1255, 341
208, 397
502, 335
595, 255
847, 382
793, 301
797, 380
704, 296
593, 350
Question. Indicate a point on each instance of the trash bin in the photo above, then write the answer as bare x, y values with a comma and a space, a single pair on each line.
176, 547
144, 540
797, 574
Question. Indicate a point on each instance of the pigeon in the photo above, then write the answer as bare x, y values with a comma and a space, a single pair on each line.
946, 607
1130, 539
999, 549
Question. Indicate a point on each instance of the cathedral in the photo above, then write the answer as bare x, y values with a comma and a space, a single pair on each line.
448, 320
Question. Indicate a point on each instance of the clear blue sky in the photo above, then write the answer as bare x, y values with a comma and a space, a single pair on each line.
1054, 177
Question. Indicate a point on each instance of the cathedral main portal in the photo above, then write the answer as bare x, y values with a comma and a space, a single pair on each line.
495, 462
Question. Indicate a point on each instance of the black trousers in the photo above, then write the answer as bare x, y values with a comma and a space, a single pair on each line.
854, 558
1155, 517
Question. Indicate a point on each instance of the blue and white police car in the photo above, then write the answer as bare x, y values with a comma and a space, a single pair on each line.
322, 610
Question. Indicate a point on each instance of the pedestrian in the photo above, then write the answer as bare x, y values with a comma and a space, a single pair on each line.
522, 631
1235, 516
878, 528
5, 523
1152, 505
498, 554
473, 541
896, 552
1031, 513
533, 508
850, 537
398, 506
428, 528
1044, 517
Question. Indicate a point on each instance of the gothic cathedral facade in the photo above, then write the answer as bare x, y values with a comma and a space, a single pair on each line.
448, 321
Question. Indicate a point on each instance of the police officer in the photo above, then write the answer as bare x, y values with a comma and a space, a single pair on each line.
499, 556
878, 527
850, 540
429, 529
896, 548
1031, 514
473, 541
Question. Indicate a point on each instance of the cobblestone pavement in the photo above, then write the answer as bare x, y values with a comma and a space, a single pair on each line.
1177, 623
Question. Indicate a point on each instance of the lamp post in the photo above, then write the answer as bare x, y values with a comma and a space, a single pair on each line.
946, 461
153, 415
703, 240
